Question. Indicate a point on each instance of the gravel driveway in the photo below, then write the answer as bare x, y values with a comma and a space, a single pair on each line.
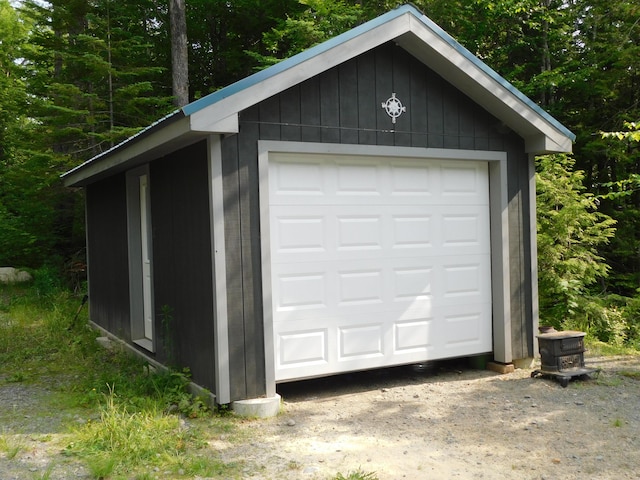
443, 422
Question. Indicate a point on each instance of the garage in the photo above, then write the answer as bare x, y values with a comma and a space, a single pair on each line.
376, 261
369, 202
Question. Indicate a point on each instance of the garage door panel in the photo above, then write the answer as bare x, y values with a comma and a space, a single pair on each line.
377, 262
301, 290
326, 180
465, 329
464, 279
303, 348
304, 233
361, 341
463, 182
465, 229
290, 178
413, 336
314, 233
397, 285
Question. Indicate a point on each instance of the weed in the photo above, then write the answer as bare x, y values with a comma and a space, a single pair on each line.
13, 451
634, 374
16, 377
609, 380
357, 475
617, 423
46, 475
100, 466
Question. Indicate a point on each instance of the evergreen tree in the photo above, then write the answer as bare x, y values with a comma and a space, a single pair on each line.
570, 232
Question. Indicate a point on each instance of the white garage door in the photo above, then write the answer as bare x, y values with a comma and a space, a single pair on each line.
377, 261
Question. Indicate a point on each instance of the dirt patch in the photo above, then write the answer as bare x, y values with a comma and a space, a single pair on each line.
441, 422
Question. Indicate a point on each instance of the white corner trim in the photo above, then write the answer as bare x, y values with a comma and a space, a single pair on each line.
265, 246
500, 262
533, 231
218, 256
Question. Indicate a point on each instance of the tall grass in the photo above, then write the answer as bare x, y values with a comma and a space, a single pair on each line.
124, 442
139, 416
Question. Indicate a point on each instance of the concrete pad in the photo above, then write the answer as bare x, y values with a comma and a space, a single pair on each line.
501, 367
257, 407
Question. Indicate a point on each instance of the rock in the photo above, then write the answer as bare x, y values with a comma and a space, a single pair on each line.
13, 275
291, 422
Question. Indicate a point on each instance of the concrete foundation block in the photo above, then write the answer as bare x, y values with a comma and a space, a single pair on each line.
257, 407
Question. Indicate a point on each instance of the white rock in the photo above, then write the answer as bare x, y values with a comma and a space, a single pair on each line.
13, 275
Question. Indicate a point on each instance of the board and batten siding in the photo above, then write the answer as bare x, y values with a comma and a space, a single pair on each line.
107, 255
182, 266
343, 105
183, 281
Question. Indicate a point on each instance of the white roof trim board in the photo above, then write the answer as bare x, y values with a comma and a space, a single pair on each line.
409, 28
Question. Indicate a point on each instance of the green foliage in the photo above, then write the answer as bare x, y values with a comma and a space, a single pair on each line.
570, 230
319, 21
632, 134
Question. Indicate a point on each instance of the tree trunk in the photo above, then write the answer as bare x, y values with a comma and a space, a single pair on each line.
179, 54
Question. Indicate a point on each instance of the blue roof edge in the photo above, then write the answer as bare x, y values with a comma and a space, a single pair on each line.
299, 58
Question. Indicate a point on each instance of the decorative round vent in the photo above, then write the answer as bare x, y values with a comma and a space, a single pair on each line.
394, 108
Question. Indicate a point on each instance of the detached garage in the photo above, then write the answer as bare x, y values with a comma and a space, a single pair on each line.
369, 202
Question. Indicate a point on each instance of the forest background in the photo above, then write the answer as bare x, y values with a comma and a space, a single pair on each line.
79, 76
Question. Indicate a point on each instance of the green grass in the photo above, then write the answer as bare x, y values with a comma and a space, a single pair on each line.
131, 431
123, 443
598, 348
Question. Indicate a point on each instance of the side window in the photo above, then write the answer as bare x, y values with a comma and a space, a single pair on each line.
140, 258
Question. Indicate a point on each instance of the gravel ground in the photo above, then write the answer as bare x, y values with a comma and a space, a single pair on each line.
446, 421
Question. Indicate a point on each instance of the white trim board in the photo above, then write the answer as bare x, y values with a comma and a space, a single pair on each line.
218, 255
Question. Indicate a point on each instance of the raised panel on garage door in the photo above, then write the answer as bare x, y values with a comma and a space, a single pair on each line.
377, 261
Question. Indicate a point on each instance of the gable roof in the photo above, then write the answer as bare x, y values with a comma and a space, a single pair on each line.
406, 26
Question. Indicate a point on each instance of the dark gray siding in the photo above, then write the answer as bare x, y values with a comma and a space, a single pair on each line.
107, 250
183, 282
343, 105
